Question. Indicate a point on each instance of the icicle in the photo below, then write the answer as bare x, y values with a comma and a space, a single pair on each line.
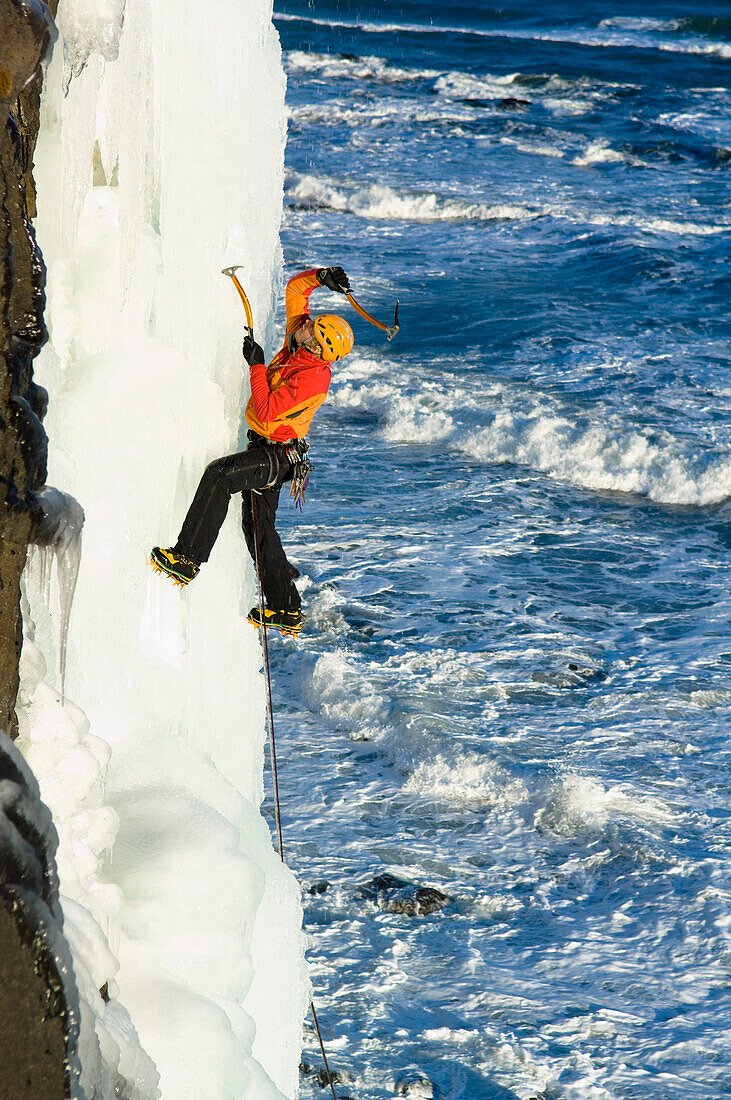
59, 534
68, 559
44, 556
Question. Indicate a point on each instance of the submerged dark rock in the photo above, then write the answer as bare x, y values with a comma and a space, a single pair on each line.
571, 677
320, 1076
507, 103
394, 895
319, 887
418, 1086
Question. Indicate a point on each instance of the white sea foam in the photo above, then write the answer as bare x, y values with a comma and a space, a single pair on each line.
535, 148
324, 611
647, 223
639, 23
345, 697
532, 429
469, 780
466, 85
601, 152
555, 93
379, 201
383, 203
579, 803
405, 418
379, 112
600, 456
338, 66
638, 41
453, 87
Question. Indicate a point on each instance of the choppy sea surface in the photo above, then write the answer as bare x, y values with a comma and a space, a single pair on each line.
515, 680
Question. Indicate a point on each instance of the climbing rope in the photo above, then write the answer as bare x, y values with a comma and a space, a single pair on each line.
265, 644
273, 749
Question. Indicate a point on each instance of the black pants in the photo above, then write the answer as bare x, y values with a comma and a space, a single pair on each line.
253, 468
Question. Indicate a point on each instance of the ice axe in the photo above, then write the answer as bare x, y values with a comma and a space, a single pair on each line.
231, 272
390, 332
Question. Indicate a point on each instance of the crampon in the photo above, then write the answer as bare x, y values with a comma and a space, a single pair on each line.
286, 622
180, 569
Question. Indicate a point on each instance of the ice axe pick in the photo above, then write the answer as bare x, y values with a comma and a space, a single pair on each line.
231, 272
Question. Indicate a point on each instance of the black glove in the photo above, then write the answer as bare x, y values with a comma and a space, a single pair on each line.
334, 278
252, 351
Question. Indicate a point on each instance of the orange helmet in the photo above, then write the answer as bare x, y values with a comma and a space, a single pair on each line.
334, 335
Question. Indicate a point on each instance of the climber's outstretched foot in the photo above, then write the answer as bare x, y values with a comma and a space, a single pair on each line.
286, 622
182, 570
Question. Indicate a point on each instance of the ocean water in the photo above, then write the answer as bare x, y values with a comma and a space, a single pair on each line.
515, 680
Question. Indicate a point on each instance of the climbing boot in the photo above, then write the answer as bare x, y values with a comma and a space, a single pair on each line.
286, 622
183, 570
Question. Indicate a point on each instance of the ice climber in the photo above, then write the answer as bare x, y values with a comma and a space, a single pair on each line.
284, 398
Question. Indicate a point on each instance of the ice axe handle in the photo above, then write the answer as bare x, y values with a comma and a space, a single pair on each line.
231, 272
390, 332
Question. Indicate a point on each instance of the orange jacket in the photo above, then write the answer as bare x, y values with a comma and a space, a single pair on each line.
286, 394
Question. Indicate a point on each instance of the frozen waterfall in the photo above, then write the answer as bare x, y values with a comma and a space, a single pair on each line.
159, 161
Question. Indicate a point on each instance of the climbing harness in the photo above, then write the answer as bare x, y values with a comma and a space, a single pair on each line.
274, 467
273, 752
296, 454
302, 468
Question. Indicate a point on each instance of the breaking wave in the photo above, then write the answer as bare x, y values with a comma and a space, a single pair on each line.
643, 35
557, 93
381, 202
589, 450
349, 66
578, 804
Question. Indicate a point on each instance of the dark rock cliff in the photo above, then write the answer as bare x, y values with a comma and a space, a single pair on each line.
26, 35
39, 1007
38, 998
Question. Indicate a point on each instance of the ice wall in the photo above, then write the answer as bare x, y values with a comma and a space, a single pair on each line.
159, 161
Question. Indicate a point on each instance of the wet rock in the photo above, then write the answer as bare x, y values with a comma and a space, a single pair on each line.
32, 440
416, 1086
508, 103
573, 676
39, 1004
27, 33
394, 895
319, 887
321, 1077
